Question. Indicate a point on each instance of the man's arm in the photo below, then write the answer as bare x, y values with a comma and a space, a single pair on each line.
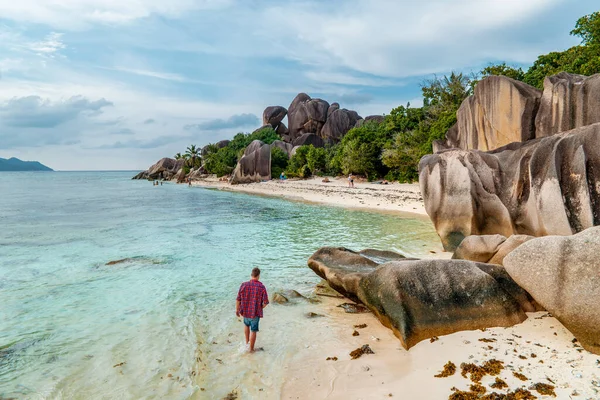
238, 301
265, 299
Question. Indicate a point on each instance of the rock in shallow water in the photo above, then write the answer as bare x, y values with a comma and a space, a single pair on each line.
563, 274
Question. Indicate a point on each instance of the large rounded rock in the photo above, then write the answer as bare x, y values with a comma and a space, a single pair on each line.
563, 275
306, 115
273, 115
480, 248
541, 187
309, 139
490, 249
568, 102
338, 124
165, 168
255, 164
342, 269
422, 299
500, 111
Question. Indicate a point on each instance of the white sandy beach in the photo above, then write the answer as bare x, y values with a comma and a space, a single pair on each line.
540, 348
384, 198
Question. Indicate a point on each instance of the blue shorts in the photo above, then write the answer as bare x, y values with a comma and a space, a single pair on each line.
252, 323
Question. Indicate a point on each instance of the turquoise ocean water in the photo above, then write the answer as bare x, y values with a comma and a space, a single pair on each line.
152, 327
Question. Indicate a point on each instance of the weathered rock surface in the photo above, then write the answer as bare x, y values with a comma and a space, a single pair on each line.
478, 248
563, 274
422, 299
166, 168
273, 115
255, 164
306, 115
569, 101
540, 187
500, 111
309, 139
490, 249
338, 124
419, 299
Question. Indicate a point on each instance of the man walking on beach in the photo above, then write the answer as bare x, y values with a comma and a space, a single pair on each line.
251, 299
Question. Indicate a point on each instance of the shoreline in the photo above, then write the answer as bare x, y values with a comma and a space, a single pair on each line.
393, 198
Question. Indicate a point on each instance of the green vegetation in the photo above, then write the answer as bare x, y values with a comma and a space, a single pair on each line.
279, 162
192, 155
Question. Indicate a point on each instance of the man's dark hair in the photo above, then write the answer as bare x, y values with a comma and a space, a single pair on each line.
255, 272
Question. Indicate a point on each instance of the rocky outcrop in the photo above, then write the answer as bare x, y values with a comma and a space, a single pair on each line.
309, 139
419, 299
489, 249
338, 124
306, 115
315, 116
255, 164
273, 116
500, 111
563, 275
545, 186
569, 101
165, 169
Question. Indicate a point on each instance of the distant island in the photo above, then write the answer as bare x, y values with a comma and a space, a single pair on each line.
14, 164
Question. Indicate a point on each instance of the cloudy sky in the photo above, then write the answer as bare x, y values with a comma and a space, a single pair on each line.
118, 84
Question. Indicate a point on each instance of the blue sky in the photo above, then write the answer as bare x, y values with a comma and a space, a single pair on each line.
118, 84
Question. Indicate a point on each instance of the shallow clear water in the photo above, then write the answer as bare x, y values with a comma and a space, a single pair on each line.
67, 319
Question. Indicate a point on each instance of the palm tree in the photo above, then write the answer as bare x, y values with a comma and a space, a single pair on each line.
193, 152
178, 156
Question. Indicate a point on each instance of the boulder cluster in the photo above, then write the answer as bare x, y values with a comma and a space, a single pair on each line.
514, 191
421, 299
311, 122
519, 161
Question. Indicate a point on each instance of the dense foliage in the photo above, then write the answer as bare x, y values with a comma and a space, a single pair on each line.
279, 162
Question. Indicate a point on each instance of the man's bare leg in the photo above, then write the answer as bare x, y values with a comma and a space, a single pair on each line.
247, 333
252, 341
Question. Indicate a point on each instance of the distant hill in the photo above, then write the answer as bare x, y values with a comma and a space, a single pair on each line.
14, 164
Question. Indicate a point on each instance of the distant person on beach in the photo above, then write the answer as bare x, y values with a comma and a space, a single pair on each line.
251, 299
282, 176
350, 180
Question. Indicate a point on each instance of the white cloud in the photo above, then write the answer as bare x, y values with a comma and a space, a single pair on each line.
49, 46
152, 74
80, 14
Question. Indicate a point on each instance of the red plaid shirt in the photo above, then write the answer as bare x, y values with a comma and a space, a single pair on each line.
252, 296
